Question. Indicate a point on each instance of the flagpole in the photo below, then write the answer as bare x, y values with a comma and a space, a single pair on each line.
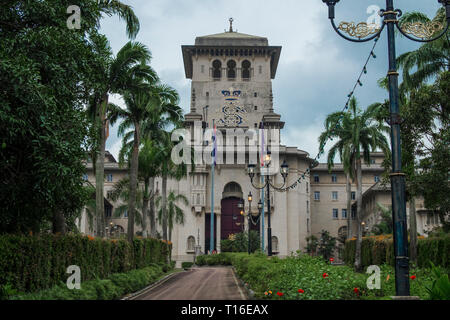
213, 165
262, 191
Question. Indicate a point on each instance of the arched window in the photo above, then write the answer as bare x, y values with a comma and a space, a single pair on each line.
190, 243
274, 244
246, 69
231, 69
217, 69
232, 189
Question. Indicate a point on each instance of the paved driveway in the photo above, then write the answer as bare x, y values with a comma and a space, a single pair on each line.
206, 283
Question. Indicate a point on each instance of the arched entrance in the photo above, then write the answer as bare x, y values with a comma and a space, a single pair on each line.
231, 221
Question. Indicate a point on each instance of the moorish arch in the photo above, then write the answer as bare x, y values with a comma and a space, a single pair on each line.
231, 220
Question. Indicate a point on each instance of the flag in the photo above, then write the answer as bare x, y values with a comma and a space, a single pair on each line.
214, 146
262, 145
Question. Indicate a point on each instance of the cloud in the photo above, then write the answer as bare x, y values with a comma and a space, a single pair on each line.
317, 68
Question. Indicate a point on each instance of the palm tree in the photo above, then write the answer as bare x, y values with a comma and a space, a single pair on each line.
168, 170
125, 12
357, 132
174, 214
165, 113
386, 225
118, 75
139, 104
149, 163
430, 59
121, 190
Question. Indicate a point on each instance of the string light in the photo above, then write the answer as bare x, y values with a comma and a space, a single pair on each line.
337, 126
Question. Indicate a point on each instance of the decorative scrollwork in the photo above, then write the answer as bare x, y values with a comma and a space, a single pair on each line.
361, 30
422, 30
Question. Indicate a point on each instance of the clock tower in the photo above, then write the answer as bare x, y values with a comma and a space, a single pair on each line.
232, 76
231, 88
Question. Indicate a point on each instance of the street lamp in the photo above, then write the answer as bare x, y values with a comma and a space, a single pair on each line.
268, 183
421, 32
241, 206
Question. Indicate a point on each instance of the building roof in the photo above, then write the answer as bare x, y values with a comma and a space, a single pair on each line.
230, 43
231, 39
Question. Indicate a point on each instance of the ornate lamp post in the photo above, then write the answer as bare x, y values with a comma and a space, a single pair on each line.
268, 183
422, 33
249, 215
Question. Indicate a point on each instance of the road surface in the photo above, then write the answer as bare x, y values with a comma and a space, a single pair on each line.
206, 283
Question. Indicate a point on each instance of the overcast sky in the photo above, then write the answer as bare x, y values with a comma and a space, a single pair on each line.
317, 68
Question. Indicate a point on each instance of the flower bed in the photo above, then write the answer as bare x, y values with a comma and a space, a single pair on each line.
304, 277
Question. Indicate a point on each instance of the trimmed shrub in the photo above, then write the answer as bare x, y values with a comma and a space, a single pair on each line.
435, 250
31, 263
113, 288
186, 265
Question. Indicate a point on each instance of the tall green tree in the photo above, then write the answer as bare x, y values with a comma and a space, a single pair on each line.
150, 159
165, 114
119, 74
358, 133
46, 74
138, 106
168, 169
174, 214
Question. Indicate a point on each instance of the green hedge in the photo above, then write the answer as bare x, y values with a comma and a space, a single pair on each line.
113, 288
377, 252
31, 263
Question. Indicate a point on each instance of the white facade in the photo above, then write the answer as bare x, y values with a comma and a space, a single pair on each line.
210, 64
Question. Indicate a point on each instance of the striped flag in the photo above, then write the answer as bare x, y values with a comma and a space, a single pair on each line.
214, 151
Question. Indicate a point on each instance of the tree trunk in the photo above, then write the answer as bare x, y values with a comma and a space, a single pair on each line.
59, 222
133, 182
413, 230
145, 202
100, 223
349, 206
152, 208
164, 205
358, 265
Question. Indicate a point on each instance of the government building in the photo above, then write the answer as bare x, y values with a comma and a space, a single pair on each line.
231, 77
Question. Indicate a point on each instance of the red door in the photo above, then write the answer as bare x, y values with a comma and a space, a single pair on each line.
231, 221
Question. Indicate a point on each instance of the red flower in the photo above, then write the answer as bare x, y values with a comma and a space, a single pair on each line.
413, 277
325, 275
279, 294
331, 259
356, 290
301, 291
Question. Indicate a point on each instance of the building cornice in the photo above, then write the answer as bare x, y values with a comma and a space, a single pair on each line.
189, 51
